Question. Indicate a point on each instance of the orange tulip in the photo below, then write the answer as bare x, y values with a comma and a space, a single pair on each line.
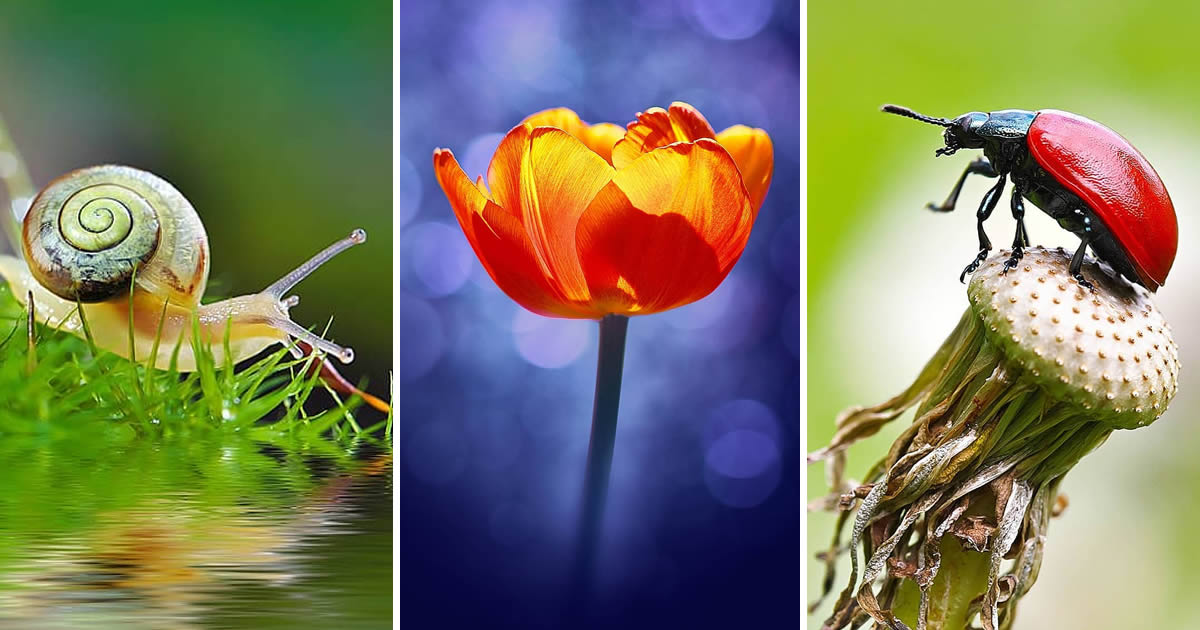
583, 221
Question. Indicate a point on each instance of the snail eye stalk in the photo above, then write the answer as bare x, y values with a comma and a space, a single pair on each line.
284, 284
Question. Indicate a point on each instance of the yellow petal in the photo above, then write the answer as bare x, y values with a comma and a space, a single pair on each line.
657, 127
599, 137
559, 178
504, 171
755, 157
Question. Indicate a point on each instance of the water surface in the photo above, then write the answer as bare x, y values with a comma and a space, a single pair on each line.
220, 533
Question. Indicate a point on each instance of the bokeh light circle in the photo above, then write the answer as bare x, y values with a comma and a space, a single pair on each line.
549, 342
421, 337
704, 312
478, 155
742, 463
410, 191
524, 42
738, 492
732, 19
440, 257
741, 414
741, 454
734, 314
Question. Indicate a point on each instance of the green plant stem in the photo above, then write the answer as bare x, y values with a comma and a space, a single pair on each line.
963, 577
609, 364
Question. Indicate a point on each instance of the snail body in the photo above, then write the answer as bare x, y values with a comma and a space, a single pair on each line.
126, 248
108, 321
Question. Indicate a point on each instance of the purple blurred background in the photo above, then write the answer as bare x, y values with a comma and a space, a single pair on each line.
703, 520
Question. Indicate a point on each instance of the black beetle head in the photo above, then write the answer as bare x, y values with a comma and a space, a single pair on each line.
963, 133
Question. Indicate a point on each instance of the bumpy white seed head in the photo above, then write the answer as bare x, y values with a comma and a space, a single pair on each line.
1109, 350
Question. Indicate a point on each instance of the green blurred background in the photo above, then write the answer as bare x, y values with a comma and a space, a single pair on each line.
882, 273
272, 118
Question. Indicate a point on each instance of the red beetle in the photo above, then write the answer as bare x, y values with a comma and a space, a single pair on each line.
1081, 173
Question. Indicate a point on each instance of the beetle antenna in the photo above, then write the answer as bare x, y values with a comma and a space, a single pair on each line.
908, 113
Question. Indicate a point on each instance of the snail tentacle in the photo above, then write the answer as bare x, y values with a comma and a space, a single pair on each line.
275, 291
282, 285
344, 354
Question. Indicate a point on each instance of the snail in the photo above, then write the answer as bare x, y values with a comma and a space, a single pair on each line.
128, 249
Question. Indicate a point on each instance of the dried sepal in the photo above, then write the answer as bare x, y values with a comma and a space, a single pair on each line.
1003, 411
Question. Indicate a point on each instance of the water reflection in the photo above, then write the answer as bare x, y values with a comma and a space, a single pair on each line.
178, 536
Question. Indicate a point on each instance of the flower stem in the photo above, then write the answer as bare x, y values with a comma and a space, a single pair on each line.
962, 577
609, 364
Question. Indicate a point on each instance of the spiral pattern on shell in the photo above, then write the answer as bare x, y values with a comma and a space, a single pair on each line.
89, 230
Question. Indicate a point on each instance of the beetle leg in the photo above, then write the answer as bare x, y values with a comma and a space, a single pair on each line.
985, 210
1076, 269
1021, 240
978, 166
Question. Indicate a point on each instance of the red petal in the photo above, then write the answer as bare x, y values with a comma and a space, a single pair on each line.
666, 231
500, 243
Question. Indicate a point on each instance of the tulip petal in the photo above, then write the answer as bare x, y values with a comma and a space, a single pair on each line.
465, 199
500, 242
504, 171
657, 127
755, 157
559, 178
599, 137
666, 231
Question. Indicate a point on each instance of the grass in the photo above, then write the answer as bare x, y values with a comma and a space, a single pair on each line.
104, 458
56, 385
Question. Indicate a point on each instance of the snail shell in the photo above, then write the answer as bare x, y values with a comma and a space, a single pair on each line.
87, 232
